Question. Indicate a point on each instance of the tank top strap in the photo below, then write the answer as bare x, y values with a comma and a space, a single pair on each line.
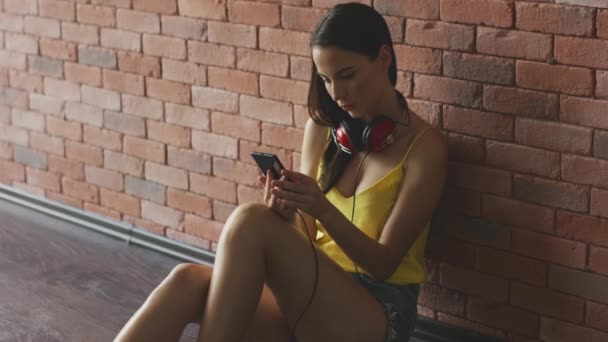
409, 149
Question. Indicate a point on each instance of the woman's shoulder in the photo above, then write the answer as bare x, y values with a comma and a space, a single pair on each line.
430, 144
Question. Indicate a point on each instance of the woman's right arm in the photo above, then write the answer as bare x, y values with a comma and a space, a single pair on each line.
313, 147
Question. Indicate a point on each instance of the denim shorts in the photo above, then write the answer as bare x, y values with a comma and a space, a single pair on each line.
400, 304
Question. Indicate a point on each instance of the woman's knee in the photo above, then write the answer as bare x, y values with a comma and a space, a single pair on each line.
248, 220
189, 275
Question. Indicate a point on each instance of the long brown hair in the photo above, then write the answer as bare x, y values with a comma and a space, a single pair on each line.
353, 27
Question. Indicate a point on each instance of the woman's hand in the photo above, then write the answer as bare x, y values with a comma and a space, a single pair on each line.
271, 200
298, 191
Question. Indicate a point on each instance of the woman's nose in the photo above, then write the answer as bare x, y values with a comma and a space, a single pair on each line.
337, 92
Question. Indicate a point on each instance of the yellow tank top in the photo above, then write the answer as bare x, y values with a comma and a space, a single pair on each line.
379, 200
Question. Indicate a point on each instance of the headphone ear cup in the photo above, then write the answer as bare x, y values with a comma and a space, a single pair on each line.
342, 139
377, 135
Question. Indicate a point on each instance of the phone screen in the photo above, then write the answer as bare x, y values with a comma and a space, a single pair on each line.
268, 161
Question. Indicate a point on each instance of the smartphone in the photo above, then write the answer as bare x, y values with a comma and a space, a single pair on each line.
268, 161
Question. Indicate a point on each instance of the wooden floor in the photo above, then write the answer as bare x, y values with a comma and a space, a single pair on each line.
61, 282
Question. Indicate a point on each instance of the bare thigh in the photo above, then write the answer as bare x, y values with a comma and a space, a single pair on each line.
342, 310
268, 323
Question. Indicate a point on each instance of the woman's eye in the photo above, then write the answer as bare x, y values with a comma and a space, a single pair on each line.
348, 76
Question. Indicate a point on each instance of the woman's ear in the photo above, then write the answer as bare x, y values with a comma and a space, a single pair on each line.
385, 56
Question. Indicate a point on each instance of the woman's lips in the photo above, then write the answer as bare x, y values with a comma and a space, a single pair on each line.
347, 107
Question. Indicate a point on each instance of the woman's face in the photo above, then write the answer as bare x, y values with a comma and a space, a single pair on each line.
353, 81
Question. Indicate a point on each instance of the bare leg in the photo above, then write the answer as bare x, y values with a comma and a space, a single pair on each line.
177, 301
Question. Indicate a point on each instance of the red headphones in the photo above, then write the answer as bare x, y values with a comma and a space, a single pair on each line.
353, 135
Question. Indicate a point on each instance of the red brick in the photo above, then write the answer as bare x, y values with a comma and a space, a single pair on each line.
582, 228
235, 126
32, 121
15, 135
557, 78
395, 27
21, 43
284, 90
104, 138
9, 22
523, 159
441, 299
184, 27
158, 6
204, 228
232, 34
142, 107
516, 44
83, 74
138, 21
216, 99
88, 154
96, 15
599, 202
124, 164
549, 248
497, 13
598, 262
46, 143
67, 129
300, 18
417, 59
585, 170
101, 57
11, 171
436, 34
43, 27
300, 116
188, 159
119, 201
263, 62
293, 42
84, 113
187, 116
551, 193
62, 89
120, 39
113, 3
458, 200
447, 90
246, 147
13, 60
185, 238
601, 86
254, 13
46, 104
167, 175
568, 20
213, 187
221, 210
168, 90
62, 10
553, 136
248, 194
162, 215
211, 54
236, 171
477, 123
581, 283
144, 149
158, 229
600, 144
511, 266
280, 136
21, 6
208, 9
139, 64
103, 211
101, 97
25, 81
45, 66
164, 46
475, 283
64, 199
520, 102
471, 326
478, 68
466, 148
168, 134
43, 179
70, 168
582, 52
597, 314
233, 80
480, 178
409, 8
58, 49
79, 33
107, 179
80, 190
215, 144
123, 82
585, 112
189, 203
548, 302
300, 68
602, 24
503, 316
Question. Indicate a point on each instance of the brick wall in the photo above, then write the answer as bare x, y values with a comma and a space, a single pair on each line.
146, 111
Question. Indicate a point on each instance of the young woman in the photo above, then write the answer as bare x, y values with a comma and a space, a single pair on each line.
371, 175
